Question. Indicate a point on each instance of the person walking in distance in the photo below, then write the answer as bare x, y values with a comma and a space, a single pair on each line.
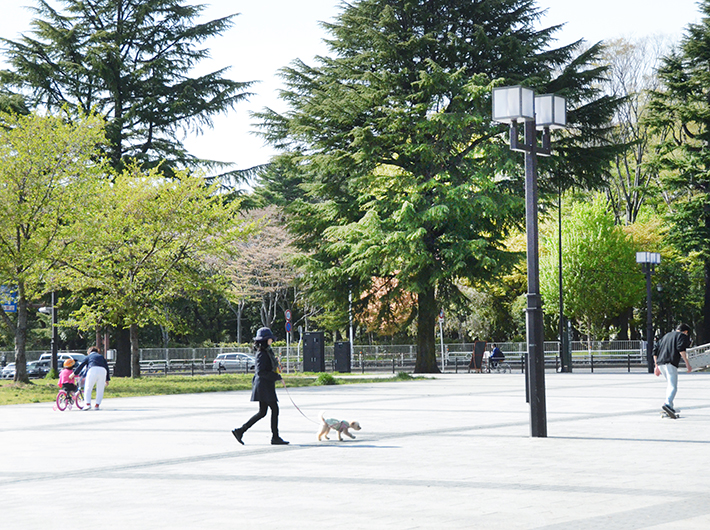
667, 354
263, 387
96, 374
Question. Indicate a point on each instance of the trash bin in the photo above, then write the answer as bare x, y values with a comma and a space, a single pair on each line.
342, 357
313, 351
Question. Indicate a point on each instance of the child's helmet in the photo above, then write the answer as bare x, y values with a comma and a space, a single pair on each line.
69, 363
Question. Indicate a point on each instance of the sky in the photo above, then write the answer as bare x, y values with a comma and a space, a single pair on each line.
269, 34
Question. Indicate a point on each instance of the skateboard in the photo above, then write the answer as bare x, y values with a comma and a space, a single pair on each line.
666, 414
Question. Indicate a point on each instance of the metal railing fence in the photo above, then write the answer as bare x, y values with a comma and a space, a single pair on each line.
586, 355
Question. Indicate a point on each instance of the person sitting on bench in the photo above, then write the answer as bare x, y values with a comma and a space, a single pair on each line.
496, 356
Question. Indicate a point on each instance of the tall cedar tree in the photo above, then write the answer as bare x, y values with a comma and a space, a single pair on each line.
394, 174
130, 62
680, 112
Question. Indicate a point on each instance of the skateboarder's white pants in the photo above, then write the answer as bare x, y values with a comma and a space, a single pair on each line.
95, 376
670, 372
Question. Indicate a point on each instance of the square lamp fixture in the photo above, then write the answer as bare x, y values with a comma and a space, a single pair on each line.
513, 103
550, 111
648, 257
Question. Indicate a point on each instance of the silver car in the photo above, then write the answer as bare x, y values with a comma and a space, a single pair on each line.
8, 372
233, 362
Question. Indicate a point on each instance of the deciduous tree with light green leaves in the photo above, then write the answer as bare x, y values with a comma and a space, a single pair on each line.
149, 240
601, 277
50, 170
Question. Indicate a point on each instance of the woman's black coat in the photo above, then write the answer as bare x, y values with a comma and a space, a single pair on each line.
263, 386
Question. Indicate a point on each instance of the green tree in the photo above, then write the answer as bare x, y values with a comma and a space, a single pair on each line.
400, 174
12, 103
601, 277
680, 111
130, 62
152, 240
49, 171
678, 293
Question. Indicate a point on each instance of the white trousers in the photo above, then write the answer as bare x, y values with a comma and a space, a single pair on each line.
95, 376
670, 372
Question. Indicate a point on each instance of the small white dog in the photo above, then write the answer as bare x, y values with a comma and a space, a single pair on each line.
341, 427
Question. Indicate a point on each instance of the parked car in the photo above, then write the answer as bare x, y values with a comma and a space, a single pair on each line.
35, 369
8, 372
45, 365
38, 369
63, 356
233, 362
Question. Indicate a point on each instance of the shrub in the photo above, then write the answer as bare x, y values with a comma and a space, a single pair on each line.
326, 379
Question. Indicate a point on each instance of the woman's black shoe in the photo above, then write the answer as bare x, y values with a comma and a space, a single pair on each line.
238, 433
278, 441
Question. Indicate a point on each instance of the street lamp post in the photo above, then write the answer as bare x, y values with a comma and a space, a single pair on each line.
55, 336
648, 261
510, 105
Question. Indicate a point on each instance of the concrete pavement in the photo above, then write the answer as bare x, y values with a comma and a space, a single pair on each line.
448, 452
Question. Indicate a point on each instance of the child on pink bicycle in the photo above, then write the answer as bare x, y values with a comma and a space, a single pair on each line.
67, 377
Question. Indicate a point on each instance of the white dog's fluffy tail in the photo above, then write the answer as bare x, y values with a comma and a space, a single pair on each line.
321, 417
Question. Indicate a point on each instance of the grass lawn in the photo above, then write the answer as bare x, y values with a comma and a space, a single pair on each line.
45, 390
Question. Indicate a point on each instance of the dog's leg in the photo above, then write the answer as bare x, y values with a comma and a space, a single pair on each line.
346, 432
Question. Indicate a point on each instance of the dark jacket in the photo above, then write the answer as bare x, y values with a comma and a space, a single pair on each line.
263, 386
667, 350
94, 359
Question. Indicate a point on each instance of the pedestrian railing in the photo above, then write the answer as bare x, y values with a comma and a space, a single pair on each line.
699, 357
592, 355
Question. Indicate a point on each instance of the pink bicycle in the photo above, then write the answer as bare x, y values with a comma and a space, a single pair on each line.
68, 399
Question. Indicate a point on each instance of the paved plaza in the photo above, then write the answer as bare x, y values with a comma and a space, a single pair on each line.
452, 451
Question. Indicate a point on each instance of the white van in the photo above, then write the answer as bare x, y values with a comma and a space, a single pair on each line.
63, 356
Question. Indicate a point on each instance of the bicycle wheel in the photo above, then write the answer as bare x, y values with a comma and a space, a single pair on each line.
62, 400
79, 399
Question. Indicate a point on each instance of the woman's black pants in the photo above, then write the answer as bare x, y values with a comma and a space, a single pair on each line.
263, 406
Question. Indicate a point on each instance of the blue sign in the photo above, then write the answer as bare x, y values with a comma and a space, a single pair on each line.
8, 299
288, 327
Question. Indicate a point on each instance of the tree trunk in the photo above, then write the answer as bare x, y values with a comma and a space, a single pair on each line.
135, 352
122, 368
703, 334
426, 337
622, 321
21, 338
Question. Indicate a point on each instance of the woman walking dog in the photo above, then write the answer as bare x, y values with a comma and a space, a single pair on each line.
263, 387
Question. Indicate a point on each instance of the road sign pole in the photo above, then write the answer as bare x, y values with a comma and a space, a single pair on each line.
441, 334
289, 327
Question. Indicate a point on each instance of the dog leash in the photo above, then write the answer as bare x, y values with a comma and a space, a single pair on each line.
294, 403
283, 382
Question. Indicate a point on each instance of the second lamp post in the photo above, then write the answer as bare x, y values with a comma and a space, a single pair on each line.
648, 261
